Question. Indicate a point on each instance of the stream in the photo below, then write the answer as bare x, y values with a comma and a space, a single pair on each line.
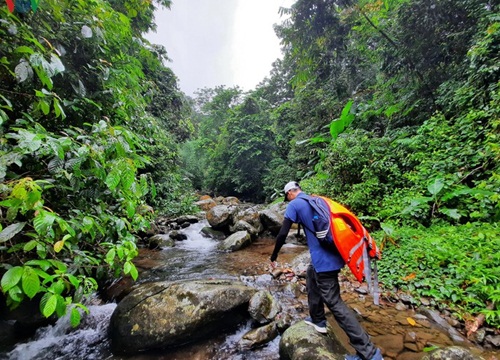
197, 257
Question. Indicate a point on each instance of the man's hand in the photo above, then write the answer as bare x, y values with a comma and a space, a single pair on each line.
274, 264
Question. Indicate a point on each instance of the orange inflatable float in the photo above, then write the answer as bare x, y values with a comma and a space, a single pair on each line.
354, 243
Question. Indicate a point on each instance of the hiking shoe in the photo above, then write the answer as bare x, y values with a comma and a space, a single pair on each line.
376, 356
352, 357
319, 326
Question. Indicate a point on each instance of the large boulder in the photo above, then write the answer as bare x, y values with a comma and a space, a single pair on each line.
169, 314
251, 216
220, 217
271, 220
302, 342
451, 353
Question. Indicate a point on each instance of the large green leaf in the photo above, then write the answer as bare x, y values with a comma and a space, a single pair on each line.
75, 317
453, 213
10, 231
48, 304
337, 126
43, 221
30, 282
113, 179
11, 278
436, 186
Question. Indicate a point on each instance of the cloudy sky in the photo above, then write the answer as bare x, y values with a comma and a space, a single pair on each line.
219, 42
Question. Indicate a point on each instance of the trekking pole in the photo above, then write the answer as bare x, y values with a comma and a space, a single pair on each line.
376, 294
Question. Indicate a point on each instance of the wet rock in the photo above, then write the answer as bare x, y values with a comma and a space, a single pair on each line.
177, 235
220, 217
276, 273
479, 335
118, 289
300, 264
400, 306
7, 333
263, 307
302, 342
236, 241
283, 321
168, 314
439, 321
407, 299
390, 343
362, 289
213, 234
493, 340
294, 289
451, 353
242, 225
160, 240
453, 322
259, 336
271, 220
251, 216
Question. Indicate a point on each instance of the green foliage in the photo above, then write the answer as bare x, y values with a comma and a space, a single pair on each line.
92, 183
79, 154
454, 265
242, 152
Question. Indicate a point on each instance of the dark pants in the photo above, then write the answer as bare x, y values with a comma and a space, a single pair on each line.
323, 289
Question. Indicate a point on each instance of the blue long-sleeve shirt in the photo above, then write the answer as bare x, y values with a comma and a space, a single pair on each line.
323, 258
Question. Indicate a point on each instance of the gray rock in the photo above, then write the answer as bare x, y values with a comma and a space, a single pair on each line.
206, 204
451, 353
169, 314
220, 217
251, 216
271, 220
236, 241
242, 225
263, 307
177, 235
443, 324
259, 336
283, 321
160, 240
187, 219
230, 200
302, 342
300, 264
213, 234
494, 340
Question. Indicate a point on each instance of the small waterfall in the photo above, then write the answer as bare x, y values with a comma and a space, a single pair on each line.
60, 341
196, 241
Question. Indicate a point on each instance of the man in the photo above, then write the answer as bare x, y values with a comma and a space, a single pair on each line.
322, 277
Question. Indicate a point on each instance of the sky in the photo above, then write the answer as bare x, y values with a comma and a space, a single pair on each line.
219, 42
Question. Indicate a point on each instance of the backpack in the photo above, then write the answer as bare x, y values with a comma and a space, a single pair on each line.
321, 219
352, 240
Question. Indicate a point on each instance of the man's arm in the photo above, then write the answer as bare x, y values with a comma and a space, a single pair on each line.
281, 238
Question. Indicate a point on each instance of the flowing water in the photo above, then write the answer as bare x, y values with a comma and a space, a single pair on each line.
194, 258
198, 258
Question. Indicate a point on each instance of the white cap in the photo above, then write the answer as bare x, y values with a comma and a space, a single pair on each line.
291, 185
